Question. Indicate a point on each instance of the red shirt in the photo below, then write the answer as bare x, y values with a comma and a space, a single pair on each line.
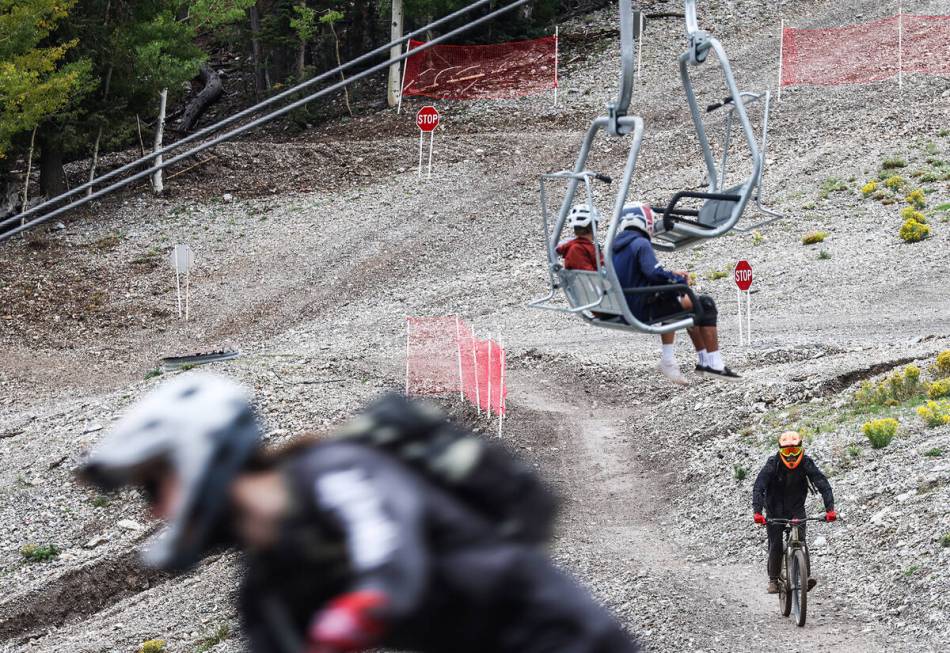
579, 254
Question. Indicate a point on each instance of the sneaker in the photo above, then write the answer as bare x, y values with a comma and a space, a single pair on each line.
811, 583
725, 374
773, 586
672, 372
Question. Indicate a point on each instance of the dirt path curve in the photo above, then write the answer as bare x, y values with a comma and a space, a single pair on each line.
689, 600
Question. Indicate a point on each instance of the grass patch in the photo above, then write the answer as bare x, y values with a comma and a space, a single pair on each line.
100, 501
152, 646
220, 634
831, 185
739, 472
945, 540
853, 450
757, 238
38, 553
714, 275
893, 163
910, 571
936, 452
108, 242
880, 432
814, 237
823, 255
151, 374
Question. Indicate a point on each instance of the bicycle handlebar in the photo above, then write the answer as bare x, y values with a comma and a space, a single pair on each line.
602, 177
794, 520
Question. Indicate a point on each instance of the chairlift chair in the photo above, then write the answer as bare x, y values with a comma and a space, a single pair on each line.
722, 206
596, 295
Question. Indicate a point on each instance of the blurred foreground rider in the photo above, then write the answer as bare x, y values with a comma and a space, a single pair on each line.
782, 487
636, 266
403, 532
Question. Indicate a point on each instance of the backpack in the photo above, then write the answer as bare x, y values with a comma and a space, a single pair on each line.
483, 475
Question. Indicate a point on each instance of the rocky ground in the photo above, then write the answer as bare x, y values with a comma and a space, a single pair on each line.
309, 255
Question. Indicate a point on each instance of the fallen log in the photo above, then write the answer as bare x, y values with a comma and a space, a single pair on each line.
213, 89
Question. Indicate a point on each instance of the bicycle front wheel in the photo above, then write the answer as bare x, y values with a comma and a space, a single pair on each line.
798, 579
784, 594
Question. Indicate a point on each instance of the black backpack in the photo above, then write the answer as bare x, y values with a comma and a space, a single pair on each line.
484, 475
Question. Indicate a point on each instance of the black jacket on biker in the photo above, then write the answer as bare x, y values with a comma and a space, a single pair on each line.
782, 491
360, 519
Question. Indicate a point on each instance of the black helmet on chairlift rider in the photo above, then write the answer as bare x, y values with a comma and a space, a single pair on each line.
200, 428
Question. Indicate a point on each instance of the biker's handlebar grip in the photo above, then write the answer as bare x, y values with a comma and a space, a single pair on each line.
602, 177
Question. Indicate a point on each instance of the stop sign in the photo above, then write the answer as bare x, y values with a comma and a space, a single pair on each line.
743, 275
427, 118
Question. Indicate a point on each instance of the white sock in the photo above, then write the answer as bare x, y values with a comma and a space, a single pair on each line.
714, 360
702, 356
667, 355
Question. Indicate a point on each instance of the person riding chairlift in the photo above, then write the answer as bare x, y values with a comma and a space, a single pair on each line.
580, 252
781, 488
636, 266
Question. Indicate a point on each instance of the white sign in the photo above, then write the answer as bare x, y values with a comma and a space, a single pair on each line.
181, 259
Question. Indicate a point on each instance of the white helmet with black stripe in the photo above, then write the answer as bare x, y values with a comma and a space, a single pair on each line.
200, 428
583, 216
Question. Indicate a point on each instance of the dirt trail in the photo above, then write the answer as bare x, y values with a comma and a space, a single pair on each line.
724, 606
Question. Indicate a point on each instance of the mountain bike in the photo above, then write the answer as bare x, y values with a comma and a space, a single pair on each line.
793, 577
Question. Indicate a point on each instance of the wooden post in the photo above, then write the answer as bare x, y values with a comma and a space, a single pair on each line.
159, 132
394, 93
26, 180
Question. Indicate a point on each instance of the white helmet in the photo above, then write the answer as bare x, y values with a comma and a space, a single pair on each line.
203, 430
637, 215
582, 215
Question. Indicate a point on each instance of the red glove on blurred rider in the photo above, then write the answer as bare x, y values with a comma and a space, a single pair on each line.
348, 623
831, 515
759, 518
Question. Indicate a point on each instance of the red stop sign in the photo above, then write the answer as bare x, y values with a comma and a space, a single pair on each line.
743, 275
427, 118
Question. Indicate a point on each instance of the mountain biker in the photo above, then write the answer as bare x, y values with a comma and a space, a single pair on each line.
781, 487
580, 252
347, 547
637, 267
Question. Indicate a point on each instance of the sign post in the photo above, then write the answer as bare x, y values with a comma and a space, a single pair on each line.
181, 259
427, 119
743, 278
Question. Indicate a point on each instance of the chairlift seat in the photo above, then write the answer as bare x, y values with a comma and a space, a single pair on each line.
716, 210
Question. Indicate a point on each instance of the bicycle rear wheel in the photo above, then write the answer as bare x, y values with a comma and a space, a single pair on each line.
784, 596
798, 577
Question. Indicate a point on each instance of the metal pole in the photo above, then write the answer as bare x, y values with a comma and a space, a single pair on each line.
900, 46
478, 401
402, 84
556, 52
639, 46
187, 290
178, 286
407, 355
748, 315
255, 123
501, 389
781, 57
145, 158
489, 374
739, 302
431, 139
458, 347
419, 173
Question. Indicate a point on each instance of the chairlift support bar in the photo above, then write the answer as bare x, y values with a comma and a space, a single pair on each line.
259, 121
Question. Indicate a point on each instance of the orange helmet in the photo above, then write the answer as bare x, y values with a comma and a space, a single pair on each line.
790, 449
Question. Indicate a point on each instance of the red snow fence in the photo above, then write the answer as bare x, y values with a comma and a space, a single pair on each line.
467, 72
866, 52
444, 356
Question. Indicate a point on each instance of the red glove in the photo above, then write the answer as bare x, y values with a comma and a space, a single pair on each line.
831, 515
759, 518
349, 623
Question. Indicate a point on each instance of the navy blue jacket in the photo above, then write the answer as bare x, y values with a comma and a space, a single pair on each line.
637, 267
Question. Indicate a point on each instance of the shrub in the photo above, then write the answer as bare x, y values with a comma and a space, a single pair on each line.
899, 386
880, 432
100, 501
152, 373
929, 177
945, 540
880, 195
220, 634
913, 232
869, 188
916, 198
941, 368
814, 237
824, 255
894, 182
831, 185
910, 213
935, 413
37, 553
939, 389
936, 452
713, 275
893, 163
757, 238
739, 472
853, 450
152, 646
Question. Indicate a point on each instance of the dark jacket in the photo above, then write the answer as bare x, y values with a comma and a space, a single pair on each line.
782, 491
579, 254
637, 267
360, 519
